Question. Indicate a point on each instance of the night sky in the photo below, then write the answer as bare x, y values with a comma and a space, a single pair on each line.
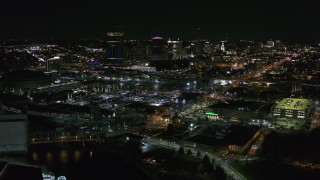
289, 20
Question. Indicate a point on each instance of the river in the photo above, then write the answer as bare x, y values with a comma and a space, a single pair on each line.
76, 161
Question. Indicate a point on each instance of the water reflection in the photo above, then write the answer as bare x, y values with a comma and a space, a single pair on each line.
35, 157
77, 155
63, 157
59, 157
77, 162
49, 158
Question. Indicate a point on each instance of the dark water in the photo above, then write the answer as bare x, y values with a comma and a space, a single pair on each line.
77, 162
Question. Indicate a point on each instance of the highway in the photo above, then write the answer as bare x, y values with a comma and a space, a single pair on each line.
218, 161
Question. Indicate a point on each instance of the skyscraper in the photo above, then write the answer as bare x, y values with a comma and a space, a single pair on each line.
175, 49
222, 48
114, 52
159, 50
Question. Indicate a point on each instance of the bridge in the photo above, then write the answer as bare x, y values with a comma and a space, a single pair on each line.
58, 137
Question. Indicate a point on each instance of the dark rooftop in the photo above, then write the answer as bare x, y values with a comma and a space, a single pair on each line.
235, 105
12, 172
238, 135
66, 108
24, 75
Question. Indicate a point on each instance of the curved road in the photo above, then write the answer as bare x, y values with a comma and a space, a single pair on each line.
218, 161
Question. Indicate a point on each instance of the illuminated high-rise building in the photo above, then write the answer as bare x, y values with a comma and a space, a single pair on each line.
175, 49
115, 44
223, 49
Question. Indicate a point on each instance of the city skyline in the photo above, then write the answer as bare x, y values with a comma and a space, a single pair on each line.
93, 90
264, 20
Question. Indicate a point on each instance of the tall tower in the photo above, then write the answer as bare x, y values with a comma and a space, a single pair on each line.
223, 49
159, 49
114, 52
174, 49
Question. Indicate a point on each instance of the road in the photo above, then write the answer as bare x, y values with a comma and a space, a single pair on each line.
218, 161
258, 142
265, 69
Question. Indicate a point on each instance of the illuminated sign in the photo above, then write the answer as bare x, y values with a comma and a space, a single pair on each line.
212, 114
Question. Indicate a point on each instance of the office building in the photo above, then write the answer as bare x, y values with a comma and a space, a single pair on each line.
292, 112
114, 52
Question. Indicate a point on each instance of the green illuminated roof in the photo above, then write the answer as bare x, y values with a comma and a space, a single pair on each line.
293, 104
212, 114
